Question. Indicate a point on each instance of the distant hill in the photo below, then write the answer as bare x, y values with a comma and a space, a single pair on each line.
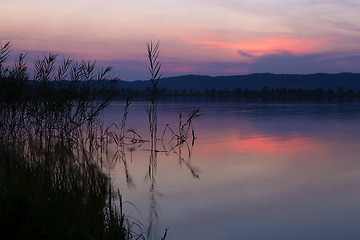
253, 82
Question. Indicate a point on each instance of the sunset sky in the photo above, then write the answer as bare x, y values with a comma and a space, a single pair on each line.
226, 37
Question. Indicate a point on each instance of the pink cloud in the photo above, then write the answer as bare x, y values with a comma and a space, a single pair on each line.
259, 48
179, 69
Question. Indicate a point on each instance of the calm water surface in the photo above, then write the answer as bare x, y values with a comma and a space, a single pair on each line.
256, 171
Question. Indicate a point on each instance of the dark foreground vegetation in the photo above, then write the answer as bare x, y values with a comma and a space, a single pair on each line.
54, 151
52, 185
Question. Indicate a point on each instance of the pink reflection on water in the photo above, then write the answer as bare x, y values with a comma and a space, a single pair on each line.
281, 146
256, 143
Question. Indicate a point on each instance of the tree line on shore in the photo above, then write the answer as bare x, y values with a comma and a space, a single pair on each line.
264, 93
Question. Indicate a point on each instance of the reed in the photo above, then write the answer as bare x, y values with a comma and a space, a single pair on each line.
52, 147
52, 185
154, 69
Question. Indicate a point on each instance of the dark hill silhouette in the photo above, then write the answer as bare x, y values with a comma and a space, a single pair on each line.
253, 82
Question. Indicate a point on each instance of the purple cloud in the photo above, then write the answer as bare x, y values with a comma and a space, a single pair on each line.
304, 64
245, 54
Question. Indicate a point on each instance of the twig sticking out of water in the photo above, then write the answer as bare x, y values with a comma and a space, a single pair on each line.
184, 129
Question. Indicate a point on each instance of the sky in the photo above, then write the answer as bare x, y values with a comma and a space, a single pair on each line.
206, 37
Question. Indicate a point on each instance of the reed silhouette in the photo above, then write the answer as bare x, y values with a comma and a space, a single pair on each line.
50, 137
54, 150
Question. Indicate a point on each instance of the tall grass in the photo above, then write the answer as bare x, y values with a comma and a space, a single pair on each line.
154, 69
55, 194
51, 183
182, 135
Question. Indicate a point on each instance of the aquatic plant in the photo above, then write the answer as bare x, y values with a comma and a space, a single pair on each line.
52, 185
54, 143
120, 135
154, 69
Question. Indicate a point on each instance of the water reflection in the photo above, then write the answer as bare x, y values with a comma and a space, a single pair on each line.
281, 146
175, 143
268, 171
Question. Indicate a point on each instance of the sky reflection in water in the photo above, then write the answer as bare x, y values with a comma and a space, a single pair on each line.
266, 171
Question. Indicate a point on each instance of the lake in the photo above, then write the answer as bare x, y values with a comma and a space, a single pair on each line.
256, 170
